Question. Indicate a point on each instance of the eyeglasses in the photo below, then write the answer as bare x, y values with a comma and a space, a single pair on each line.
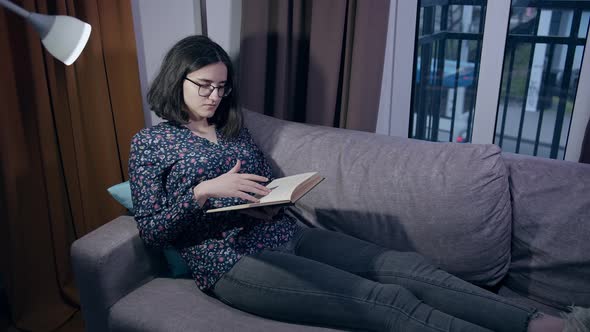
205, 90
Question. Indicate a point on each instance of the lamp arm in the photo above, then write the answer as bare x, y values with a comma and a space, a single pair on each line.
14, 8
64, 37
41, 23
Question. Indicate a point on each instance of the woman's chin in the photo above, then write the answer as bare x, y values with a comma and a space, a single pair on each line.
203, 113
207, 112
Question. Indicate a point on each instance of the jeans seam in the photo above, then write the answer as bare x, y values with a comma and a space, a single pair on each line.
223, 299
430, 282
307, 292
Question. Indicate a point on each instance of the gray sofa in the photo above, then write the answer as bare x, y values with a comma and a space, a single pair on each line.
517, 225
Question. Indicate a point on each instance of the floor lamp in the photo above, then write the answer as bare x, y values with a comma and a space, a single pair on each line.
64, 37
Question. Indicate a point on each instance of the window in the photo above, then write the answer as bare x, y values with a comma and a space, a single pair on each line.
448, 51
542, 62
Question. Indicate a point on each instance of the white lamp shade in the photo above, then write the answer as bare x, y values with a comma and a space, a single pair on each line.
66, 38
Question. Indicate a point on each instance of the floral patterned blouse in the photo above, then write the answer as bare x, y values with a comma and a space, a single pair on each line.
166, 162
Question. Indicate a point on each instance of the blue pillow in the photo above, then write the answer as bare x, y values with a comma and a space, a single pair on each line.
122, 193
176, 264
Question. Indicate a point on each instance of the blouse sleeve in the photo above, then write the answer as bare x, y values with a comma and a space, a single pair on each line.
161, 217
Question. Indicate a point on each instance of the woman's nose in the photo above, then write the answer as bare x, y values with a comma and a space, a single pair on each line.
215, 95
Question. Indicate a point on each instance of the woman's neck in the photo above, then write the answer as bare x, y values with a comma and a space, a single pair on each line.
199, 126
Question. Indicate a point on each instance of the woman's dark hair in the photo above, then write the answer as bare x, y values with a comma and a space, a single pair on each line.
165, 95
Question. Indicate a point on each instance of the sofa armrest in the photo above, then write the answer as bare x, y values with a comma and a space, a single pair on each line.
109, 263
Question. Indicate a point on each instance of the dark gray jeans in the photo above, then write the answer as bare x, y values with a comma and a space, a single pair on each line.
330, 279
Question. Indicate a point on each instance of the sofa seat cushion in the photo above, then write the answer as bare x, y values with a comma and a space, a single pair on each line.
447, 201
169, 305
513, 296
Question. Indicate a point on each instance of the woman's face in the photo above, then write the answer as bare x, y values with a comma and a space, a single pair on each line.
199, 105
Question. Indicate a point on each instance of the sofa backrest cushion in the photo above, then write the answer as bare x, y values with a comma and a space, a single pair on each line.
449, 202
551, 233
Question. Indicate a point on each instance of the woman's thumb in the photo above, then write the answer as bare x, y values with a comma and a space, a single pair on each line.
236, 168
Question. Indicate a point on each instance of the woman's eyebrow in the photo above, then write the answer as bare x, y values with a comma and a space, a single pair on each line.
208, 81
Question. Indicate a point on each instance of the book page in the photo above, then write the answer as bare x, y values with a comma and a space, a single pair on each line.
283, 188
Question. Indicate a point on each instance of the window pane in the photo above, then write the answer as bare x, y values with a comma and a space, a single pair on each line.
523, 20
446, 70
540, 77
584, 25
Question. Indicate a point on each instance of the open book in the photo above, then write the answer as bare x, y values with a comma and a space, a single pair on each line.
286, 190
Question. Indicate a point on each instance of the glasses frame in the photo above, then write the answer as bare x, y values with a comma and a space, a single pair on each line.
209, 88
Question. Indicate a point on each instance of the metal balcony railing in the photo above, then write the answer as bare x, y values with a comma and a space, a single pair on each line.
559, 47
447, 63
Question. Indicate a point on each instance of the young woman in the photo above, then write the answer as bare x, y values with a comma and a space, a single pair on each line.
259, 260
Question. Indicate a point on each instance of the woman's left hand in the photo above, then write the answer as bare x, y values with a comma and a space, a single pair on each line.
263, 212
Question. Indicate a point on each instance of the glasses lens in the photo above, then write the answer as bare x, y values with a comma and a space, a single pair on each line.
205, 90
221, 91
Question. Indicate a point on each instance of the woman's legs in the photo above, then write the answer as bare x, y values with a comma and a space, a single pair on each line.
435, 287
286, 287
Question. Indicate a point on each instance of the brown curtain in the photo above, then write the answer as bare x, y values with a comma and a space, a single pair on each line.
318, 62
65, 133
585, 154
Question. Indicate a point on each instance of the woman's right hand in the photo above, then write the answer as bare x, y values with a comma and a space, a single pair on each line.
231, 184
